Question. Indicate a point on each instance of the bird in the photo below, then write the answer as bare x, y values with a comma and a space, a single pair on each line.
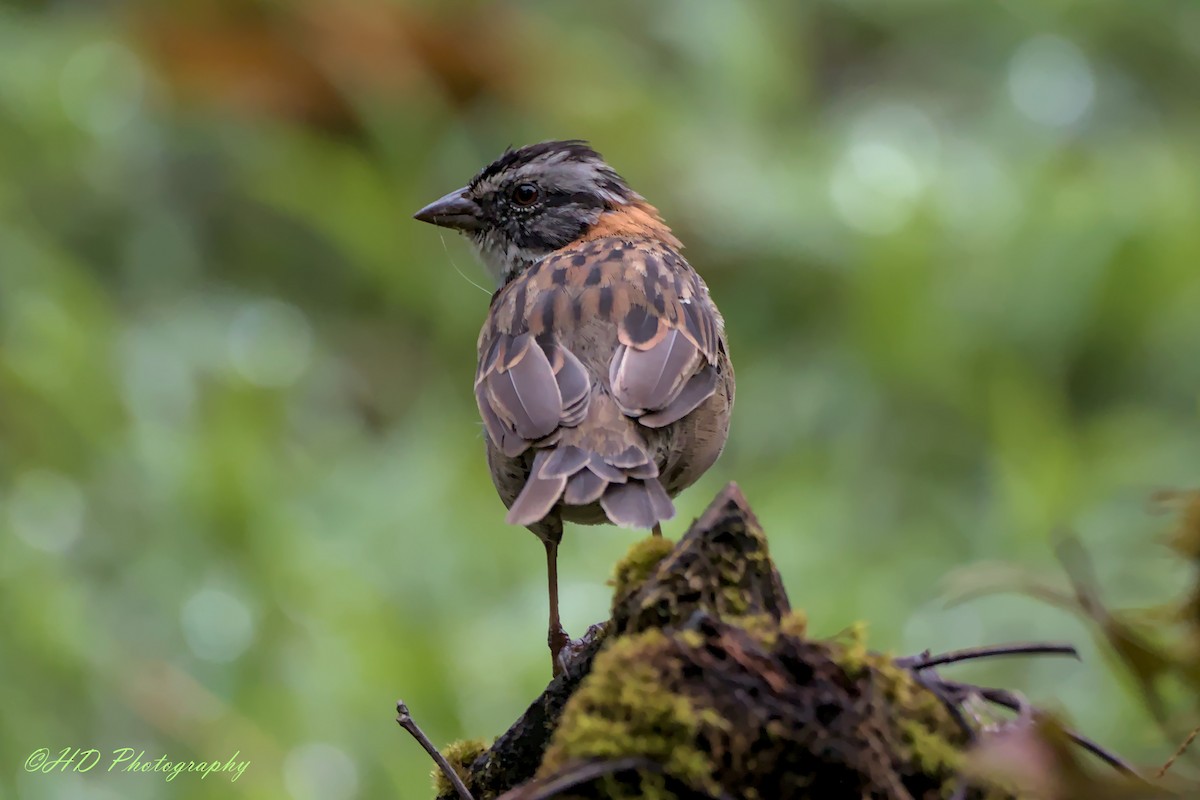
604, 380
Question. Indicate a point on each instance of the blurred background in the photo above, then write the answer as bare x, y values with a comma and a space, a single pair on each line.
243, 501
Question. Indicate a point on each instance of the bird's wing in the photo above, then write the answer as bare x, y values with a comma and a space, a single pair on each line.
668, 338
652, 358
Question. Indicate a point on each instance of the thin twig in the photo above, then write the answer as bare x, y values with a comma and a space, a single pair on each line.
1013, 702
1105, 755
1178, 752
925, 661
951, 700
406, 721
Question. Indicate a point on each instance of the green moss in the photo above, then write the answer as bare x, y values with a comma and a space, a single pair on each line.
632, 704
928, 736
638, 564
766, 630
736, 602
930, 751
850, 650
924, 732
762, 627
652, 787
794, 624
461, 755
624, 707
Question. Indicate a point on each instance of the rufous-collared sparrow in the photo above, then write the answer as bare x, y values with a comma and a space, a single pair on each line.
604, 380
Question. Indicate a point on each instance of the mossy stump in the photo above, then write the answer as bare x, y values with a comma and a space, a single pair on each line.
703, 684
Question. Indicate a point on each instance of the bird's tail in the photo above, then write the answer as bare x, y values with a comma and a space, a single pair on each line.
582, 468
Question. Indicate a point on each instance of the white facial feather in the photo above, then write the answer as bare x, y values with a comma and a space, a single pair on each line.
500, 256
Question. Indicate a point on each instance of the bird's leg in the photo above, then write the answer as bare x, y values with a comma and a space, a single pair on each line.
557, 637
657, 530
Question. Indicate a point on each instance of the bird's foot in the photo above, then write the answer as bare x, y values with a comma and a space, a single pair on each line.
570, 650
560, 649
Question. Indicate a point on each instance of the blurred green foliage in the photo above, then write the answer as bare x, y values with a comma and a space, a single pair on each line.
243, 502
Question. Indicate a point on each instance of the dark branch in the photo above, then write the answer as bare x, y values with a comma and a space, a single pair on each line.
925, 661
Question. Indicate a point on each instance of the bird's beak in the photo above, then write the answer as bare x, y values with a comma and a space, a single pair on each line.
456, 210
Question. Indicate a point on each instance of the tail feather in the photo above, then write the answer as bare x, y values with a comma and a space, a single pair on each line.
584, 488
604, 468
631, 456
637, 504
643, 471
605, 460
539, 494
568, 475
564, 461
664, 509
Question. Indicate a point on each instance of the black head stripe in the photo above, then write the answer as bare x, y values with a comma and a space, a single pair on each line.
572, 150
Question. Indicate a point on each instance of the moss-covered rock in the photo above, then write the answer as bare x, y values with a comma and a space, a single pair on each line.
461, 755
631, 705
756, 711
728, 573
638, 564
920, 728
706, 684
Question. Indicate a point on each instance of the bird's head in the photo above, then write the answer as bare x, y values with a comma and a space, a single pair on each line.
534, 200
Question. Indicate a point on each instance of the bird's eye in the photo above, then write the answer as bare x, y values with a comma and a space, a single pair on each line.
525, 194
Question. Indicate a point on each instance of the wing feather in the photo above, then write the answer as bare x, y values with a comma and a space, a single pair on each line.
526, 394
696, 391
648, 380
541, 381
